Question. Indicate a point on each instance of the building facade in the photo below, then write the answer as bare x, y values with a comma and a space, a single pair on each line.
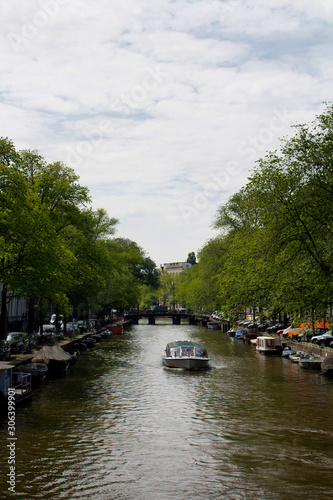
175, 267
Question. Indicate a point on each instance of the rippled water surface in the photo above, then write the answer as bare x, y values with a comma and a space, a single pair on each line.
123, 427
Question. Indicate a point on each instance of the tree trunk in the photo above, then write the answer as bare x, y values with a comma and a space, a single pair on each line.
31, 315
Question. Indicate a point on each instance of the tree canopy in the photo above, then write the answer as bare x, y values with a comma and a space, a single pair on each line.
55, 247
275, 249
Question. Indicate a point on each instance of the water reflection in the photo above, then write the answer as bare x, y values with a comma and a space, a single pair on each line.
123, 427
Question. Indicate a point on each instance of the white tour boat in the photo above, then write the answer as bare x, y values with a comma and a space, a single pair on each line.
185, 354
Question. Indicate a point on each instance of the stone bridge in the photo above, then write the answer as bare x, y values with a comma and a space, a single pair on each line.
176, 316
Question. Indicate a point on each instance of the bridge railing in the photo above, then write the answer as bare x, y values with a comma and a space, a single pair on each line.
158, 313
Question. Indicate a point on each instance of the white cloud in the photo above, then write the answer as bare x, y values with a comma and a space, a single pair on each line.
161, 107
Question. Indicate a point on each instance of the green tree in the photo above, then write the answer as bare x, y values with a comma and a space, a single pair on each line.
38, 203
54, 247
280, 225
129, 272
87, 238
191, 258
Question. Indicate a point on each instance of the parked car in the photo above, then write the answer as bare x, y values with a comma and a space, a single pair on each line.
82, 325
292, 332
60, 321
319, 331
48, 334
54, 317
275, 328
323, 340
48, 329
18, 342
72, 327
261, 326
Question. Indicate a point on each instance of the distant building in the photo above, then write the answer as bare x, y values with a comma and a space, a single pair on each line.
175, 267
16, 311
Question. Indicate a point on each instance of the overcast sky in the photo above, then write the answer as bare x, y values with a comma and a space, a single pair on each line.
162, 107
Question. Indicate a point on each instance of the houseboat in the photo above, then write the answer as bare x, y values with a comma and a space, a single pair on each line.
15, 384
269, 345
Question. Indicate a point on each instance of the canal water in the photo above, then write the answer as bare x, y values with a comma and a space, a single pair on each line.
123, 427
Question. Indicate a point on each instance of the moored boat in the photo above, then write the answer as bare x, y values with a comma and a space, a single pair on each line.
311, 361
106, 334
232, 332
185, 354
240, 334
295, 357
287, 351
16, 385
269, 345
213, 325
327, 366
57, 360
38, 372
249, 336
90, 342
116, 329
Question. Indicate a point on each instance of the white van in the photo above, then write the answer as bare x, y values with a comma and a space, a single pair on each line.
54, 317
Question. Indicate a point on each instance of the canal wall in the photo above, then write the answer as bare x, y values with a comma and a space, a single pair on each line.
22, 359
309, 348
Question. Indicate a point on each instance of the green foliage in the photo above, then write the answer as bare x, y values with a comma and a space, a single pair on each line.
191, 258
54, 247
276, 245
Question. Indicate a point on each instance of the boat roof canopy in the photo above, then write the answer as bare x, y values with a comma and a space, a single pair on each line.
182, 343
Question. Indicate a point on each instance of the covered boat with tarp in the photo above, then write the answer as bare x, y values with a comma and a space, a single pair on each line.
56, 359
185, 354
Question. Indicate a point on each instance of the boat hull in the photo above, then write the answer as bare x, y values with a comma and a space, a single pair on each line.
38, 372
327, 366
311, 363
186, 363
213, 326
269, 352
16, 385
187, 355
116, 329
21, 399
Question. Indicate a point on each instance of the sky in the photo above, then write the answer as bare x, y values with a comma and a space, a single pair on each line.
162, 107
